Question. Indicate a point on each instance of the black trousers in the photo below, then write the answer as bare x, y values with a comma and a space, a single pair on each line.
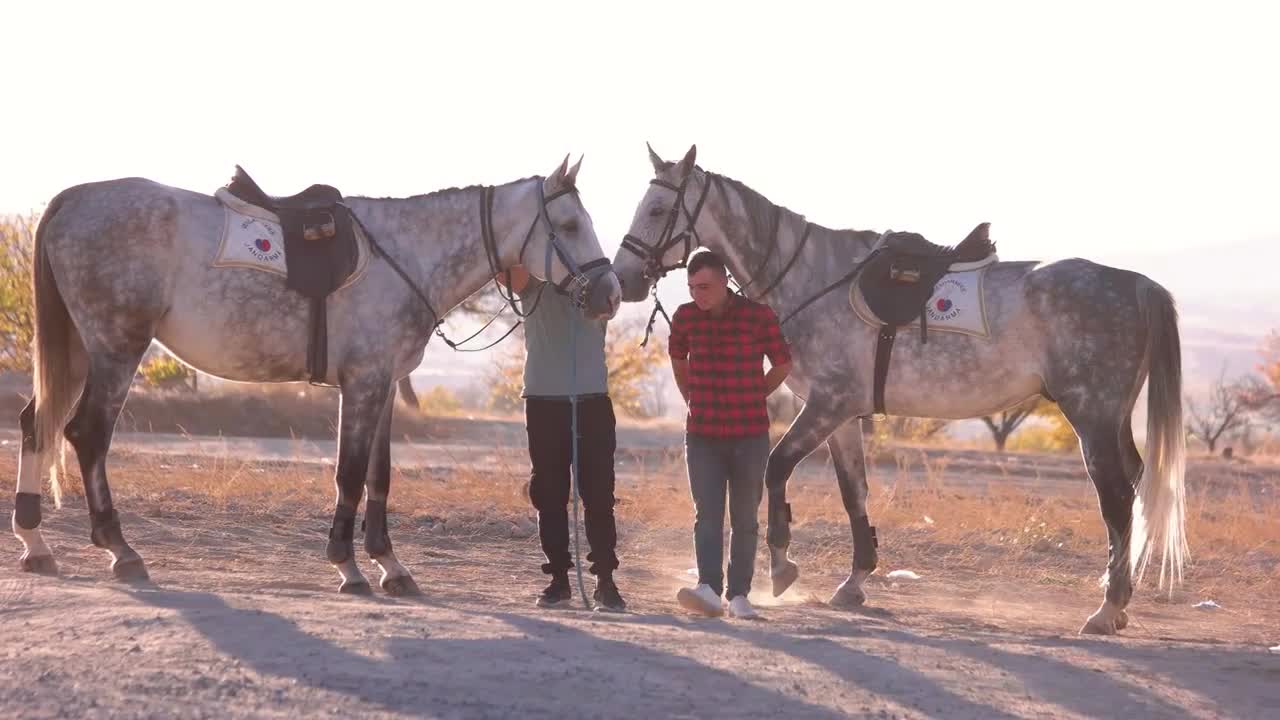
549, 423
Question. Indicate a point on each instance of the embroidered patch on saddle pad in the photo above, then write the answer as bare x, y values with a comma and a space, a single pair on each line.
252, 238
957, 305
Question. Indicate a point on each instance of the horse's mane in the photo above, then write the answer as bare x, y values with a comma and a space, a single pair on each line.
455, 190
760, 210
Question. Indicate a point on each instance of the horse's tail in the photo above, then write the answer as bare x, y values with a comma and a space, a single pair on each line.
57, 340
1159, 509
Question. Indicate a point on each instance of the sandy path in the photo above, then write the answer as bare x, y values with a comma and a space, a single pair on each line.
243, 622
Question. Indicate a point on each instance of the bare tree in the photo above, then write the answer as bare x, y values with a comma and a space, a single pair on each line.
1004, 424
1226, 411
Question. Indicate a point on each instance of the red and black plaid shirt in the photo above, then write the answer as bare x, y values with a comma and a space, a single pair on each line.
726, 365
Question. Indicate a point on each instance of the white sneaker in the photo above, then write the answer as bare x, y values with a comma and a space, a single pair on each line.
701, 599
739, 607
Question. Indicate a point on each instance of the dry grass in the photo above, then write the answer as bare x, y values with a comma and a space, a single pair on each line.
927, 525
246, 410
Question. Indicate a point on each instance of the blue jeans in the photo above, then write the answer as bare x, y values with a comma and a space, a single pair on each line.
735, 464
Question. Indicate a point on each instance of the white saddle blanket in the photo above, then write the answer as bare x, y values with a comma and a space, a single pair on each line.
252, 238
957, 305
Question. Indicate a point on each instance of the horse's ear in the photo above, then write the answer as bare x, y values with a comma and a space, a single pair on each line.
685, 166
557, 177
658, 163
980, 234
571, 179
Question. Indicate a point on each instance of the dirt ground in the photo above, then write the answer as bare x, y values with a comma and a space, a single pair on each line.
242, 620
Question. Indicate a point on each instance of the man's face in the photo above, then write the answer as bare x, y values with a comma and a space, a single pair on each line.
708, 288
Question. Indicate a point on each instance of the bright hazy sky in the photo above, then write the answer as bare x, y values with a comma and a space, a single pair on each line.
1103, 130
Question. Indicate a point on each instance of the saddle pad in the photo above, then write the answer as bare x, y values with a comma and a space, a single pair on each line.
956, 305
252, 238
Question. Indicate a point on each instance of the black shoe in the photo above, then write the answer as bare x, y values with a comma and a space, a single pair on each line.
557, 594
607, 598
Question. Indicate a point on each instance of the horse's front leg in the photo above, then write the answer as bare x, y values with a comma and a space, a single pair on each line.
819, 418
396, 580
364, 397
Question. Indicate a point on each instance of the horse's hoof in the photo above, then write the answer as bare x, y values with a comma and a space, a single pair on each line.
1097, 628
400, 586
1108, 620
38, 564
131, 570
355, 587
784, 577
848, 599
1097, 625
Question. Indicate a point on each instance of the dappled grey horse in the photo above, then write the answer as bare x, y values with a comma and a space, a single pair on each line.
123, 262
1081, 334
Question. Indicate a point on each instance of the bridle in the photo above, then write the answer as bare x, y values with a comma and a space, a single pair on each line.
654, 269
577, 279
575, 284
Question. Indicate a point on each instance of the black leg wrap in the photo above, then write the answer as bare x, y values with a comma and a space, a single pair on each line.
26, 511
344, 529
105, 532
865, 543
779, 535
376, 539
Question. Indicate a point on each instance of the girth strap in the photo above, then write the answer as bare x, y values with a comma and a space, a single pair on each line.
318, 347
884, 352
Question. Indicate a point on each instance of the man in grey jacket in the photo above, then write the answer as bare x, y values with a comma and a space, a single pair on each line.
548, 388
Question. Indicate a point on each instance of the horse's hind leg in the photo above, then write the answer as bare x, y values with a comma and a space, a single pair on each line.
1114, 466
850, 464
396, 580
37, 557
363, 401
89, 432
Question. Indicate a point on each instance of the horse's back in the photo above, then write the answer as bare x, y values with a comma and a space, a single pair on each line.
1076, 285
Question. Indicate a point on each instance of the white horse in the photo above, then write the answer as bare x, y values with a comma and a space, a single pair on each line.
122, 262
1084, 335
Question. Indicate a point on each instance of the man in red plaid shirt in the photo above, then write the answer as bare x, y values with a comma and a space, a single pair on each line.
718, 345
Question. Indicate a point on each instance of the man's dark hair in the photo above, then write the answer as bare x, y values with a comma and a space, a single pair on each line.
706, 259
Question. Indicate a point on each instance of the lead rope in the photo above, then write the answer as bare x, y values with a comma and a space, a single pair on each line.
573, 408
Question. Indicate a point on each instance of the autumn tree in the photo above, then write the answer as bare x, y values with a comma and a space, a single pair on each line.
17, 305
632, 371
1264, 394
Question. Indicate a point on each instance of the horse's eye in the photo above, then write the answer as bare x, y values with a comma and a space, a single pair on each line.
570, 227
657, 212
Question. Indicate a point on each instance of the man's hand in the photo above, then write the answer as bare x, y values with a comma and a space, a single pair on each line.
519, 278
773, 379
680, 368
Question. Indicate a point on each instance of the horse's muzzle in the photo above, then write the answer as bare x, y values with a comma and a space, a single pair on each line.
603, 296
